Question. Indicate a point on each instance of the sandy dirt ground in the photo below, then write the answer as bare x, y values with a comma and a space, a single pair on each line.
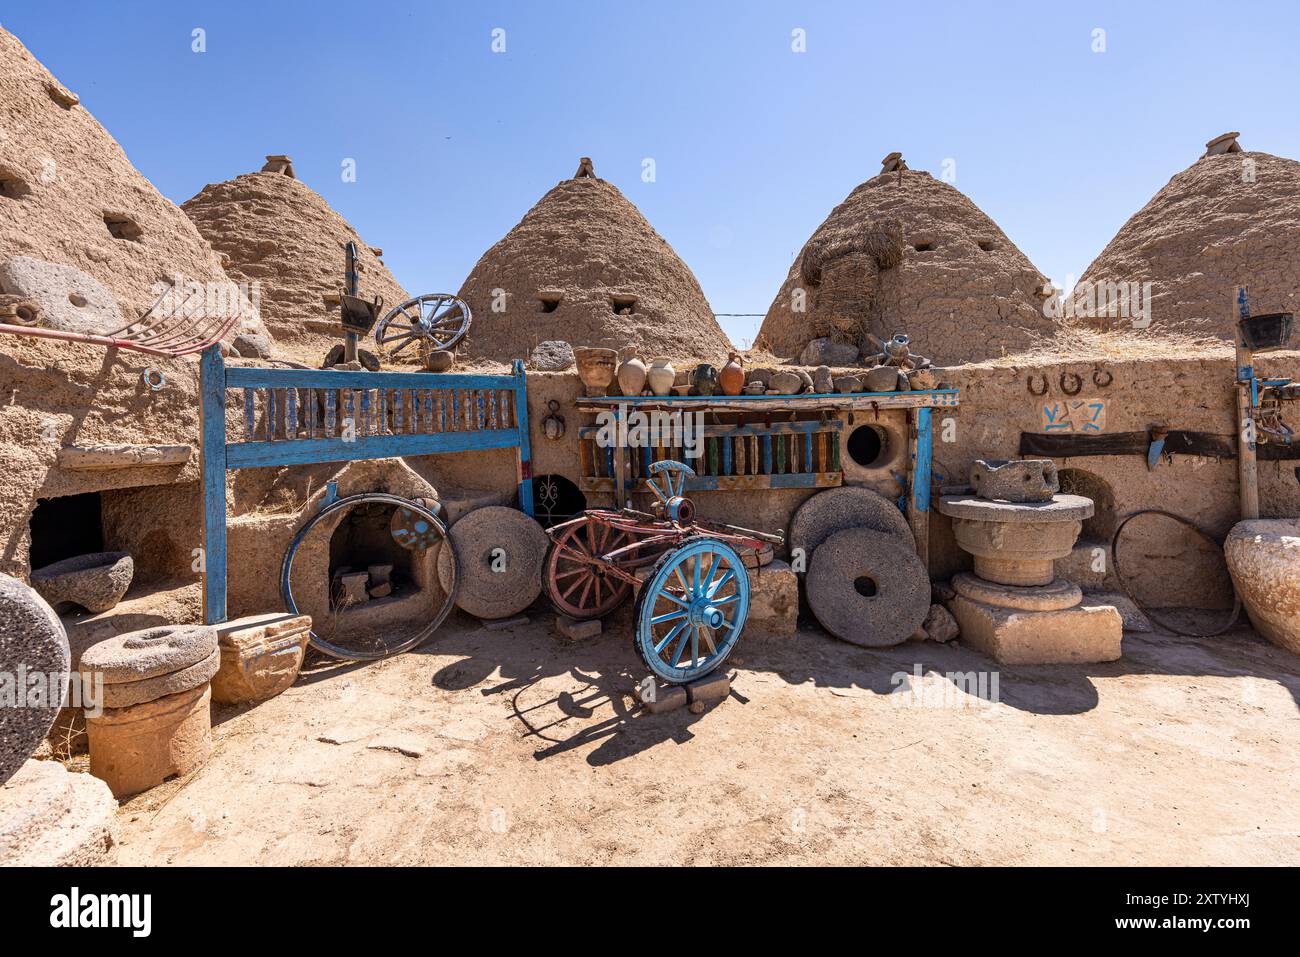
520, 747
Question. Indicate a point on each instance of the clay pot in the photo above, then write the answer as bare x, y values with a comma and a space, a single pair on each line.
704, 380
632, 376
786, 383
596, 368
661, 376
731, 380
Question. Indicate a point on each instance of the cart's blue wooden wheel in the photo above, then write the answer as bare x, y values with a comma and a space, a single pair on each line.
691, 609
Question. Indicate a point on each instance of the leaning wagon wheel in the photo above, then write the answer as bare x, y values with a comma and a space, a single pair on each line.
691, 610
576, 581
433, 322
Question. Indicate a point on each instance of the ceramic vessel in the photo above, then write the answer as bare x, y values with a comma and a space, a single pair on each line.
731, 380
632, 376
704, 380
660, 376
596, 368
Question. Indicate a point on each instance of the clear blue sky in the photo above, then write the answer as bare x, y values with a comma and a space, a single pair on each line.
753, 143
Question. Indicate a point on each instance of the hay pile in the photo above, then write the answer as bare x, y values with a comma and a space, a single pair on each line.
908, 253
1227, 220
278, 231
583, 265
66, 189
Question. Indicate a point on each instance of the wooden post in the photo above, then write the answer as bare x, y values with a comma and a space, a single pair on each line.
525, 453
918, 511
212, 466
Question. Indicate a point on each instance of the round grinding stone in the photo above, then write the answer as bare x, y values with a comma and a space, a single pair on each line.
123, 694
495, 586
1056, 596
137, 655
868, 588
33, 644
848, 506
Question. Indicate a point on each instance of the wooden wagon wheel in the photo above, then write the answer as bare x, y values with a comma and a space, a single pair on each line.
575, 578
434, 321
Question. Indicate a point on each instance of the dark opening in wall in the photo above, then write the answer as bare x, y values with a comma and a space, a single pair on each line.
987, 245
364, 539
121, 226
623, 305
65, 528
556, 499
868, 445
12, 186
923, 247
549, 301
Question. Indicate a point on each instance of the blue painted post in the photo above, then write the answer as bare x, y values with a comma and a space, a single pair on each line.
525, 447
921, 478
212, 463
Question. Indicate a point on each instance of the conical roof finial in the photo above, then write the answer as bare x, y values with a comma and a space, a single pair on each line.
1225, 143
585, 169
892, 163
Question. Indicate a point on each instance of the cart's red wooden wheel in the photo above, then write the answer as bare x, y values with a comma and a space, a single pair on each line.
577, 582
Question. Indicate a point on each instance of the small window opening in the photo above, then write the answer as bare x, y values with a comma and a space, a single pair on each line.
868, 445
923, 247
986, 245
66, 527
121, 226
12, 186
550, 300
623, 305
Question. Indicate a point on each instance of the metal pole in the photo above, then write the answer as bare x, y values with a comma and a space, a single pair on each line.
354, 285
1247, 466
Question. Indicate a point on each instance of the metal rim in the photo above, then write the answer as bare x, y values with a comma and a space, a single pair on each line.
695, 602
435, 321
348, 654
569, 577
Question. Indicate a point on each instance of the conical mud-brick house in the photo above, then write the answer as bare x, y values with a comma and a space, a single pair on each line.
1230, 219
277, 231
584, 266
81, 230
908, 253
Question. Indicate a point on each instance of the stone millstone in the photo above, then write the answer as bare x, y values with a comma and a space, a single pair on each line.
480, 590
1055, 596
137, 655
860, 559
123, 694
31, 639
96, 581
845, 507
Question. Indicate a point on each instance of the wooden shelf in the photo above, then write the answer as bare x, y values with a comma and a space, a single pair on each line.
936, 398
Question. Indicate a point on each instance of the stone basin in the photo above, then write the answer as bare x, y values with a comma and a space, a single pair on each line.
96, 581
1263, 558
1015, 543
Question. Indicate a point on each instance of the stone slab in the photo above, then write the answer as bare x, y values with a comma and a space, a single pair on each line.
773, 602
1079, 635
1061, 508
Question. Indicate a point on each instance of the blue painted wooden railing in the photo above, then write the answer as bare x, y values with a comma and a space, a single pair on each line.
306, 416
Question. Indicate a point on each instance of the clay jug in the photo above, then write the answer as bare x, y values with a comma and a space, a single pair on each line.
732, 377
704, 380
631, 376
596, 368
661, 375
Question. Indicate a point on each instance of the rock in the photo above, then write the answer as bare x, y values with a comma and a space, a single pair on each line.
96, 581
939, 625
576, 630
665, 698
380, 574
50, 817
32, 642
381, 591
880, 379
553, 355
711, 688
786, 383
439, 360
773, 602
149, 653
1022, 480
827, 352
1264, 560
351, 588
868, 588
847, 384
805, 378
823, 383
70, 299
836, 509
253, 345
762, 375
492, 584
261, 656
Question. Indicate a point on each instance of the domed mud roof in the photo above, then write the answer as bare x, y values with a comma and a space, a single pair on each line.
906, 252
583, 265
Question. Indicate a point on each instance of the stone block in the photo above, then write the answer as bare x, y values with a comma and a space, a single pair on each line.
665, 698
773, 602
134, 749
709, 689
1085, 633
261, 656
52, 818
576, 630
